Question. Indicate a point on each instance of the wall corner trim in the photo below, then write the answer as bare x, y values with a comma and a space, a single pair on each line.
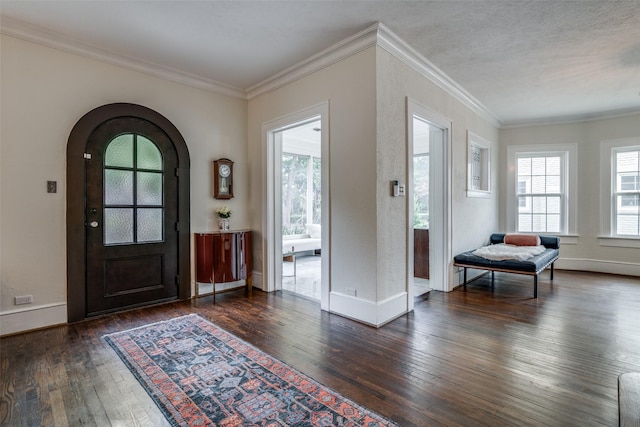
371, 313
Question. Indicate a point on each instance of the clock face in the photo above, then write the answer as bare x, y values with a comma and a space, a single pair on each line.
225, 170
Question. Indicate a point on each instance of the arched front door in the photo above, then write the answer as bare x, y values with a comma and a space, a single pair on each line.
133, 218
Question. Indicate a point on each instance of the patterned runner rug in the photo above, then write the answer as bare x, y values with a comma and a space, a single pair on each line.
201, 375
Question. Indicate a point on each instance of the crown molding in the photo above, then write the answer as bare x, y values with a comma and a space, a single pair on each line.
16, 28
333, 54
397, 47
376, 34
579, 118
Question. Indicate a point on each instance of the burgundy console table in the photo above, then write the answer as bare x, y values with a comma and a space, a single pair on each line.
222, 257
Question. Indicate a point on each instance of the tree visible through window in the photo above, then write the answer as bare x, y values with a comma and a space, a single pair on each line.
301, 202
421, 191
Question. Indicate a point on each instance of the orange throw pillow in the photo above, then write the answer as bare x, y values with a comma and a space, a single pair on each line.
522, 239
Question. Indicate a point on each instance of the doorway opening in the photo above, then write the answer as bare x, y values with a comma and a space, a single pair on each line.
301, 161
429, 204
422, 132
297, 204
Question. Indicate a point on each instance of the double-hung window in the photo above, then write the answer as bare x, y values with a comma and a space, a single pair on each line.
626, 191
542, 188
541, 193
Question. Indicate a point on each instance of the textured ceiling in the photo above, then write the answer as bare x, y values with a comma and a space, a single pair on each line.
526, 61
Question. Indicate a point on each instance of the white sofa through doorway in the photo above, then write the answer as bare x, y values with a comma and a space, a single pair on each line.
298, 243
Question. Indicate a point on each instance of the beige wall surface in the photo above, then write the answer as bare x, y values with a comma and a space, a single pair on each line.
472, 219
368, 148
586, 253
349, 87
44, 93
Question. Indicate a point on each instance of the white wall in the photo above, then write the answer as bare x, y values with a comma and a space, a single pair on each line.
586, 253
349, 86
473, 219
368, 148
44, 93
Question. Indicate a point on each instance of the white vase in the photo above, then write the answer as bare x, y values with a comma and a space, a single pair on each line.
224, 224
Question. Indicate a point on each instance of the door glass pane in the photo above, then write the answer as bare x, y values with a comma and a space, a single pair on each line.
120, 152
149, 188
118, 225
149, 156
118, 187
150, 225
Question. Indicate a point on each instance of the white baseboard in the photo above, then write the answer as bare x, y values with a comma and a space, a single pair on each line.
369, 312
598, 266
32, 317
256, 280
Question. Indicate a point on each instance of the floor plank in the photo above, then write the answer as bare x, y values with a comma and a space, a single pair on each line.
488, 356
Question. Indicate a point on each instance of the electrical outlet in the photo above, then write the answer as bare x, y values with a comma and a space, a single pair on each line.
350, 291
52, 186
24, 299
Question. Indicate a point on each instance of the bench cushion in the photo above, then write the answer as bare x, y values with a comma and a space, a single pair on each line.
549, 242
532, 265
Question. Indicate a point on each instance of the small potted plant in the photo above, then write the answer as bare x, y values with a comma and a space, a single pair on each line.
224, 213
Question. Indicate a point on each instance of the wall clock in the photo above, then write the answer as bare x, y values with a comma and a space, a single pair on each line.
223, 179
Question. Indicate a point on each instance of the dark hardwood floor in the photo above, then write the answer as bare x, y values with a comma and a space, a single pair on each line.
488, 356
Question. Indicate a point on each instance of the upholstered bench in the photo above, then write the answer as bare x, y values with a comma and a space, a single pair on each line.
532, 266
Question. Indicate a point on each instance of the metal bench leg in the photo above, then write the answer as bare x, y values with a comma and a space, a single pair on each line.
535, 286
493, 275
465, 278
552, 270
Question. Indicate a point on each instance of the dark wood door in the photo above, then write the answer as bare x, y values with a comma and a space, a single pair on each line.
131, 216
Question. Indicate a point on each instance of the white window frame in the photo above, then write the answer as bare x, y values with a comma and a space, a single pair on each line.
569, 202
478, 166
608, 150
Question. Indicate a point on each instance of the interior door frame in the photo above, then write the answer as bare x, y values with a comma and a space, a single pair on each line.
272, 206
440, 232
76, 192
